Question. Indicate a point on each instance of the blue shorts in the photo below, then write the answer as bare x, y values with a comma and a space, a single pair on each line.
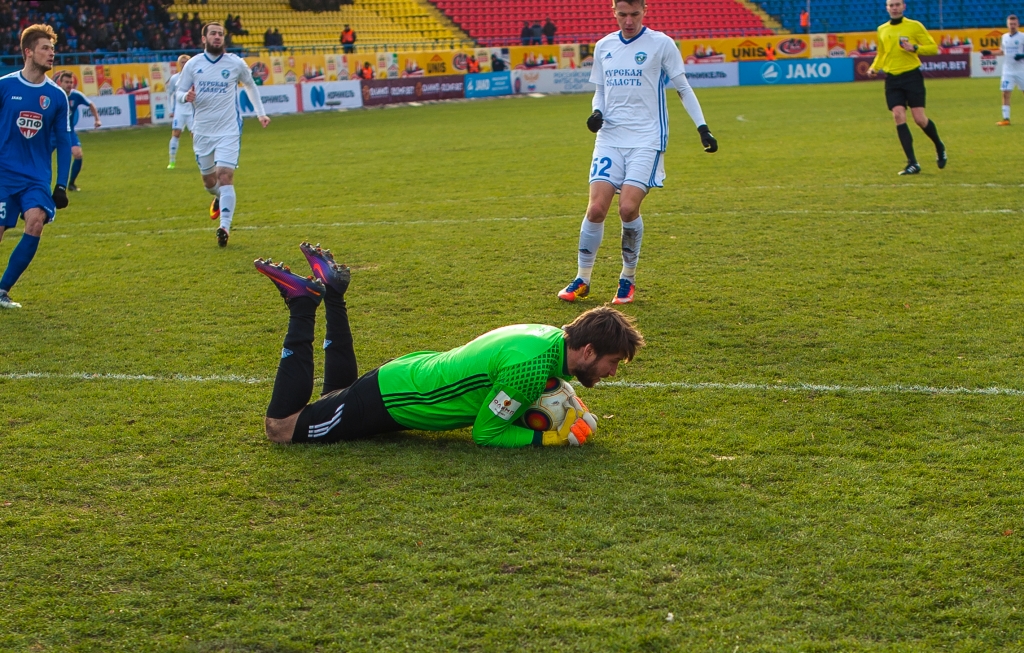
74, 139
14, 201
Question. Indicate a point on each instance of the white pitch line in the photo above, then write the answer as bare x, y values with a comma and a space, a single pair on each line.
898, 388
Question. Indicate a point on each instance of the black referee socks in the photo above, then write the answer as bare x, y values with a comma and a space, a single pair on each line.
933, 133
907, 141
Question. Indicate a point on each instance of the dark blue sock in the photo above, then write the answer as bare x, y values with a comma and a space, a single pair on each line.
20, 258
76, 168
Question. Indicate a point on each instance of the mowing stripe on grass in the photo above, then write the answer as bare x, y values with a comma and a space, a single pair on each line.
896, 388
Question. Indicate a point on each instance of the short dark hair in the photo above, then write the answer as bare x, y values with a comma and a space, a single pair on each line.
642, 3
210, 24
31, 34
1013, 16
607, 330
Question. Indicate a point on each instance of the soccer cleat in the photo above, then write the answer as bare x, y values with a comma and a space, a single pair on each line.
222, 236
215, 208
941, 159
578, 289
1004, 123
911, 169
170, 166
288, 283
325, 269
6, 301
73, 188
624, 295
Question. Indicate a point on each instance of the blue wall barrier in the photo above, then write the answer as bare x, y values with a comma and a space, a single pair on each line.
796, 71
488, 84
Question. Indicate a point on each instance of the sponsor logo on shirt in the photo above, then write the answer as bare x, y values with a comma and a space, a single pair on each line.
640, 58
504, 406
29, 123
608, 56
44, 102
224, 74
624, 77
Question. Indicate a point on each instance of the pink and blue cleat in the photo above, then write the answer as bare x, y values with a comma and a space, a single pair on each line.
578, 289
288, 283
624, 295
324, 267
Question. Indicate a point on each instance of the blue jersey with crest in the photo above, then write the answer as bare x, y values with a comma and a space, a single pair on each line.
76, 99
34, 120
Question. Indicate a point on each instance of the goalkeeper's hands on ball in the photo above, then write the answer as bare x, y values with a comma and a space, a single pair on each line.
579, 424
709, 142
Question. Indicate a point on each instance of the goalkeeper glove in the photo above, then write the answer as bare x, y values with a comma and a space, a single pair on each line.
709, 142
595, 121
575, 429
60, 197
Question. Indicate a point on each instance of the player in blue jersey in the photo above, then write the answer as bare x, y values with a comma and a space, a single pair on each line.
66, 80
632, 69
34, 121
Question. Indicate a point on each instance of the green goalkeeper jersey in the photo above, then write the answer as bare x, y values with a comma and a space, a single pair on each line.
487, 383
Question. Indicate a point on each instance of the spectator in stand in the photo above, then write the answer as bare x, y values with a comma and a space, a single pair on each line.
536, 33
497, 64
805, 22
769, 52
278, 40
239, 28
366, 72
268, 38
348, 40
526, 35
549, 31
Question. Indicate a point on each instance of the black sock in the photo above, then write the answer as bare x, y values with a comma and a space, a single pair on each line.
340, 369
907, 141
294, 383
933, 133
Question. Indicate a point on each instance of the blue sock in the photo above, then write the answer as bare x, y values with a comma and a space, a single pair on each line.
76, 167
20, 258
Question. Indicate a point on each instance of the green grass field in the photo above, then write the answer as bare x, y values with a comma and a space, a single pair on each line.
725, 485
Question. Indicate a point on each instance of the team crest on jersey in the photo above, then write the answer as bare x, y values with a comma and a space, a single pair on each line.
224, 74
640, 58
44, 102
29, 123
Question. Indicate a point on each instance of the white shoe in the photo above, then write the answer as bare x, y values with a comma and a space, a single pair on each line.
7, 302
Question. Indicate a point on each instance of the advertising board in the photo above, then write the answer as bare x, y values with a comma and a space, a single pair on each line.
552, 81
488, 85
713, 74
328, 96
809, 71
277, 99
939, 65
986, 65
114, 110
376, 92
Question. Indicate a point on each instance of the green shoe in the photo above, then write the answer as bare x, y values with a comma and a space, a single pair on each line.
170, 166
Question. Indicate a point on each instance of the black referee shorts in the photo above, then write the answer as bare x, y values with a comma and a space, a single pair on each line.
355, 413
906, 90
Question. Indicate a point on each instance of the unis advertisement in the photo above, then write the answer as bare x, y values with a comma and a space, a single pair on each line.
709, 51
488, 85
713, 74
277, 99
552, 81
114, 110
809, 71
328, 96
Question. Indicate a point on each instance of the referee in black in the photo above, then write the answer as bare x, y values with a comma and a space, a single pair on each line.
901, 42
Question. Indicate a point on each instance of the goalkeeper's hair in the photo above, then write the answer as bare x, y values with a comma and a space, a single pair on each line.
212, 23
606, 330
31, 34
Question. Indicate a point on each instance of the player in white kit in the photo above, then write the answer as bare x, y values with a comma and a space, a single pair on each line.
1013, 65
632, 68
181, 112
210, 82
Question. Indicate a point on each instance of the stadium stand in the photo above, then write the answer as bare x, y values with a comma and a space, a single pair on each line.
498, 22
867, 15
376, 22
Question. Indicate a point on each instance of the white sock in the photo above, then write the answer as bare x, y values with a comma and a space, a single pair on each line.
215, 191
1006, 112
174, 148
227, 206
632, 239
591, 234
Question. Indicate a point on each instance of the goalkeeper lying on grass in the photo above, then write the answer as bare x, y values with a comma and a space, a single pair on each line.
487, 383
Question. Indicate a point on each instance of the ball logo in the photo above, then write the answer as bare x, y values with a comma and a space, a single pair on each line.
792, 47
224, 74
770, 72
640, 58
29, 123
317, 96
44, 102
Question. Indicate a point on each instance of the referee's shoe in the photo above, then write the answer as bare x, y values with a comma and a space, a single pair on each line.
912, 169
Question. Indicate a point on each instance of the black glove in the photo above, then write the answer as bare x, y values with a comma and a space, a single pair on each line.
595, 121
709, 142
1018, 57
60, 196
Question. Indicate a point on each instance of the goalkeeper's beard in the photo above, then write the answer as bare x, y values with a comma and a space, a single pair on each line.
216, 52
588, 376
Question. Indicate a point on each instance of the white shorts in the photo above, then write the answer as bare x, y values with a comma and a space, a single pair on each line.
216, 151
1010, 80
182, 120
643, 168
